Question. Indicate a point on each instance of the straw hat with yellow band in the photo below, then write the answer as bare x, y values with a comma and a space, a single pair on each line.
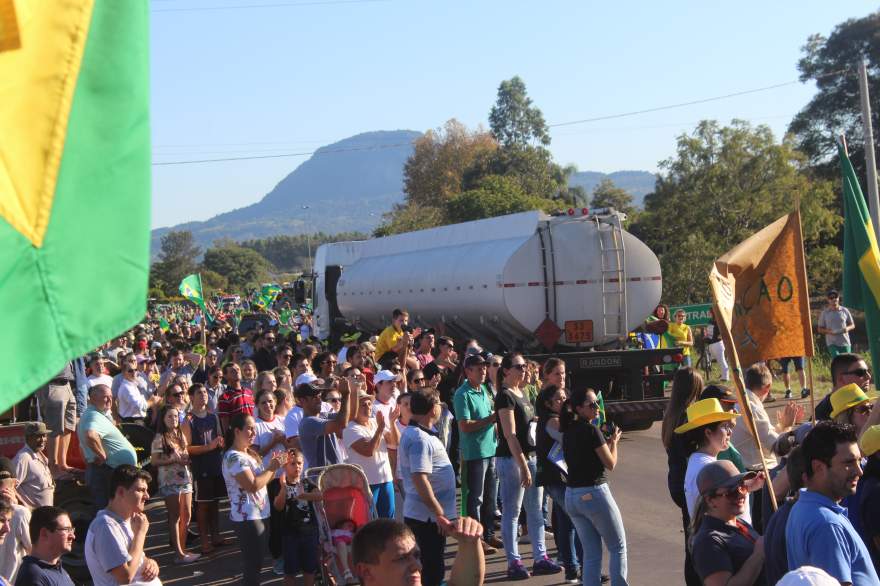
847, 397
704, 412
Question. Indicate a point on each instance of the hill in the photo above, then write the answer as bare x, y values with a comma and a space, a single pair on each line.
346, 187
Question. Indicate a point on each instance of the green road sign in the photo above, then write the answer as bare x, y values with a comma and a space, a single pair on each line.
696, 315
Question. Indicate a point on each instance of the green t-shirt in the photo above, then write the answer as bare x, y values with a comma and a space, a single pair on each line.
734, 456
473, 403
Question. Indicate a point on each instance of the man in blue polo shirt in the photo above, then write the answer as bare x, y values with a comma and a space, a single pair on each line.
818, 532
476, 418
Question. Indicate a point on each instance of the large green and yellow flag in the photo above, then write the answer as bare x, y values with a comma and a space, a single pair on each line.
74, 181
861, 258
191, 288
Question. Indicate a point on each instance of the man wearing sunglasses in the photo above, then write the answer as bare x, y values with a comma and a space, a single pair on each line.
836, 322
845, 369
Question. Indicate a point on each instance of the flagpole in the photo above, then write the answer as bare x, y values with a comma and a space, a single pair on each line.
745, 406
812, 347
204, 317
870, 164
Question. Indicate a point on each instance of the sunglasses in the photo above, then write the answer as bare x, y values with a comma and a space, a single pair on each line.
519, 367
864, 408
334, 400
176, 394
418, 380
593, 404
495, 365
396, 370
861, 372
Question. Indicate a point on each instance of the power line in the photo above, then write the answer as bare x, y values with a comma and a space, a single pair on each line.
273, 5
304, 154
556, 125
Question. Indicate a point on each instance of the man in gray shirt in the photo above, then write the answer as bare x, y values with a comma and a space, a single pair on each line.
317, 434
836, 323
115, 541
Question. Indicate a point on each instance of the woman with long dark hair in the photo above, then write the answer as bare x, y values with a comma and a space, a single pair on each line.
548, 407
517, 466
169, 454
687, 384
588, 500
246, 481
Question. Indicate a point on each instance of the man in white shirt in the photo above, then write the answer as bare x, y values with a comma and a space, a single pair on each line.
115, 541
131, 396
36, 488
97, 375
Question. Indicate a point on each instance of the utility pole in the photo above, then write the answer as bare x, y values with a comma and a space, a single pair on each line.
873, 201
309, 244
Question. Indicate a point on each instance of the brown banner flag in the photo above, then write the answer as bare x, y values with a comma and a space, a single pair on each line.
761, 295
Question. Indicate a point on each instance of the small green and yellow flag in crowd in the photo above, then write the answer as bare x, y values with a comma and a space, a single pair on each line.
191, 288
861, 258
74, 181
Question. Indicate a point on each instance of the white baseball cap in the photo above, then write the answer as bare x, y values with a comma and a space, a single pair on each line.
385, 375
306, 377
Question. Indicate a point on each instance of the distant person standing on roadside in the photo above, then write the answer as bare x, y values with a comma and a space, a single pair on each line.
836, 322
684, 338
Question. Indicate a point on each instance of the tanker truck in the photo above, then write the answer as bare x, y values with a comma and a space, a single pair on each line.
572, 285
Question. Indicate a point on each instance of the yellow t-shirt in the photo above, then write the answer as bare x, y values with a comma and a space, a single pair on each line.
387, 340
681, 333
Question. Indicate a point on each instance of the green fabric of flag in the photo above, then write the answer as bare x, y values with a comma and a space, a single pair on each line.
163, 324
285, 316
861, 257
74, 185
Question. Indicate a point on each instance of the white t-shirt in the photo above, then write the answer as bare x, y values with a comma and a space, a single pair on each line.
17, 543
130, 399
265, 431
243, 505
385, 408
107, 545
696, 462
378, 466
292, 421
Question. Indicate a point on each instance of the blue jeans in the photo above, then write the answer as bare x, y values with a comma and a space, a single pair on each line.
514, 496
567, 543
596, 517
383, 499
479, 479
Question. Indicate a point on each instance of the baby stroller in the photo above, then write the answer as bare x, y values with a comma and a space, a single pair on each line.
347, 497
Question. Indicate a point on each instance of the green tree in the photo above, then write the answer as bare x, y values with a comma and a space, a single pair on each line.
607, 194
241, 267
409, 218
831, 62
514, 121
723, 185
495, 196
435, 170
213, 281
291, 253
177, 259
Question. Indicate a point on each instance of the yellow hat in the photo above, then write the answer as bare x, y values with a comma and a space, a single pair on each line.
847, 397
870, 440
704, 412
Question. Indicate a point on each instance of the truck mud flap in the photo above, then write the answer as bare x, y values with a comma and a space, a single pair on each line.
636, 415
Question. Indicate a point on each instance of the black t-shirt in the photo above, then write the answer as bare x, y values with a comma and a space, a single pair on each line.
298, 514
719, 547
579, 443
775, 554
523, 413
548, 472
36, 572
447, 385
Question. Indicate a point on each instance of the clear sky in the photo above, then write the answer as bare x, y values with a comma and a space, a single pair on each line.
238, 78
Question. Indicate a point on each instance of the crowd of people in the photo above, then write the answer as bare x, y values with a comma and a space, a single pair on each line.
246, 416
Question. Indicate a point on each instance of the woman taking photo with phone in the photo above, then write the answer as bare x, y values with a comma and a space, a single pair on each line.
588, 500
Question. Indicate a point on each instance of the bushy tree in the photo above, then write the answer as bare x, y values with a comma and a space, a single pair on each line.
495, 196
832, 63
241, 267
607, 194
514, 121
440, 159
724, 184
178, 256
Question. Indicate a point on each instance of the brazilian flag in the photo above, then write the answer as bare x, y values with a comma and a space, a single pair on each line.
861, 257
74, 181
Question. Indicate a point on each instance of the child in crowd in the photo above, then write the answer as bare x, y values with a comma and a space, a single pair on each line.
299, 537
342, 535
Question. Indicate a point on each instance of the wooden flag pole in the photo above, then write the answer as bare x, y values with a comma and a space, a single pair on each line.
812, 388
745, 406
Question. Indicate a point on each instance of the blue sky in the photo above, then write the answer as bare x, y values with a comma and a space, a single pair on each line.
268, 79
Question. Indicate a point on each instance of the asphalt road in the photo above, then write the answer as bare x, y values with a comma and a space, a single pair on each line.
652, 522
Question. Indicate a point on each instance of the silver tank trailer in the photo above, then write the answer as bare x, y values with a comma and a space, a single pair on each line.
499, 279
